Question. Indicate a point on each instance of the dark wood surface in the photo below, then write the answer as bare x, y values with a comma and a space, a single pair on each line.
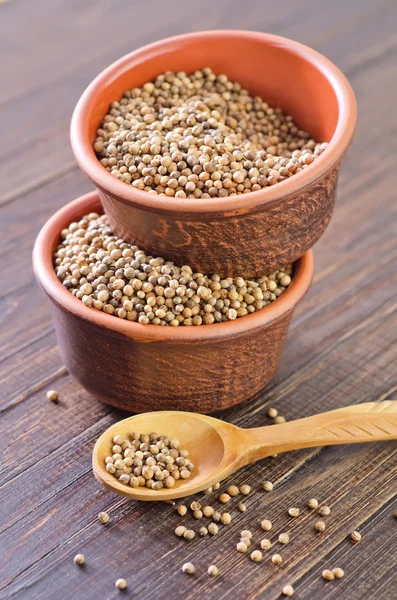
341, 347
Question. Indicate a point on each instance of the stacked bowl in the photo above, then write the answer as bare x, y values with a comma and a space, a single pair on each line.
206, 368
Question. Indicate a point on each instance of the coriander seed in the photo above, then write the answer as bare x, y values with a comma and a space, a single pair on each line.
283, 538
188, 568
195, 506
338, 573
312, 503
216, 516
272, 413
120, 584
256, 556
242, 547
267, 486
293, 512
52, 395
266, 525
213, 570
203, 531
246, 541
233, 490
226, 518
245, 489
328, 575
181, 510
213, 528
288, 590
208, 511
198, 514
189, 534
180, 531
246, 533
279, 420
224, 498
266, 544
216, 486
320, 526
241, 507
324, 511
103, 517
277, 559
355, 537
79, 559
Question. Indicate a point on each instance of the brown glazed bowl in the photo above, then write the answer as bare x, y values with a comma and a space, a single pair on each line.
239, 235
149, 367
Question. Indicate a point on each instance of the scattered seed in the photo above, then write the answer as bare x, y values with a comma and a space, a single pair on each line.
279, 419
195, 506
203, 531
103, 517
208, 491
242, 507
79, 559
283, 538
355, 537
272, 413
52, 395
288, 590
226, 518
208, 511
242, 547
338, 572
189, 534
245, 489
224, 498
312, 503
293, 512
266, 525
121, 584
266, 544
256, 556
189, 568
246, 533
328, 575
213, 529
216, 486
180, 531
213, 570
320, 526
246, 541
267, 486
216, 516
181, 510
324, 511
233, 490
198, 514
277, 559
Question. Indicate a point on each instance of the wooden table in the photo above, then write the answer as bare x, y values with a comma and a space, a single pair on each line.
341, 348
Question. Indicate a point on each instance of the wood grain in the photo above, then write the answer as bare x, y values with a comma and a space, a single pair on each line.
342, 347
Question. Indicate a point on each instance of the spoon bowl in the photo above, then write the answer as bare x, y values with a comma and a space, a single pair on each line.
217, 448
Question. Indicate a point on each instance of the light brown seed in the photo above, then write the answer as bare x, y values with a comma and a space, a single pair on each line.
242, 547
283, 538
233, 490
272, 412
355, 537
226, 518
180, 530
52, 395
120, 584
245, 489
216, 486
188, 568
79, 559
224, 498
256, 556
279, 420
203, 531
213, 528
266, 525
195, 506
241, 507
277, 559
103, 517
246, 541
189, 534
266, 544
181, 510
213, 570
246, 533
198, 514
288, 590
328, 575
267, 486
320, 526
293, 512
324, 511
208, 511
312, 503
338, 573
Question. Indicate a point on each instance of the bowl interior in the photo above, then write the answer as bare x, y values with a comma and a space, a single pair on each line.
287, 75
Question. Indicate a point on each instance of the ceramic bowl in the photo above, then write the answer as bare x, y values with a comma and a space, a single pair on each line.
148, 367
239, 235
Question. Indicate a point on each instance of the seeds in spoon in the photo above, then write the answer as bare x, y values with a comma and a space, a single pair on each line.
79, 559
52, 395
267, 486
188, 568
213, 570
103, 517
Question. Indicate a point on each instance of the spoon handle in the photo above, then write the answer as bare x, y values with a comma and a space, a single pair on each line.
369, 422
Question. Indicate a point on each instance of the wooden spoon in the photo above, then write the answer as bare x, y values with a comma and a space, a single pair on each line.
218, 449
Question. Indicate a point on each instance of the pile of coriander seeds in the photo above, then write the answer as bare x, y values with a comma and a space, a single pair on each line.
153, 461
119, 279
200, 136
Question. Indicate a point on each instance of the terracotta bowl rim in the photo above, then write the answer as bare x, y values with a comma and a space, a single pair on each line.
45, 274
87, 160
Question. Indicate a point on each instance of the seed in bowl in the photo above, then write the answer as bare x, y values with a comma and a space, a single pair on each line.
119, 279
154, 465
200, 136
